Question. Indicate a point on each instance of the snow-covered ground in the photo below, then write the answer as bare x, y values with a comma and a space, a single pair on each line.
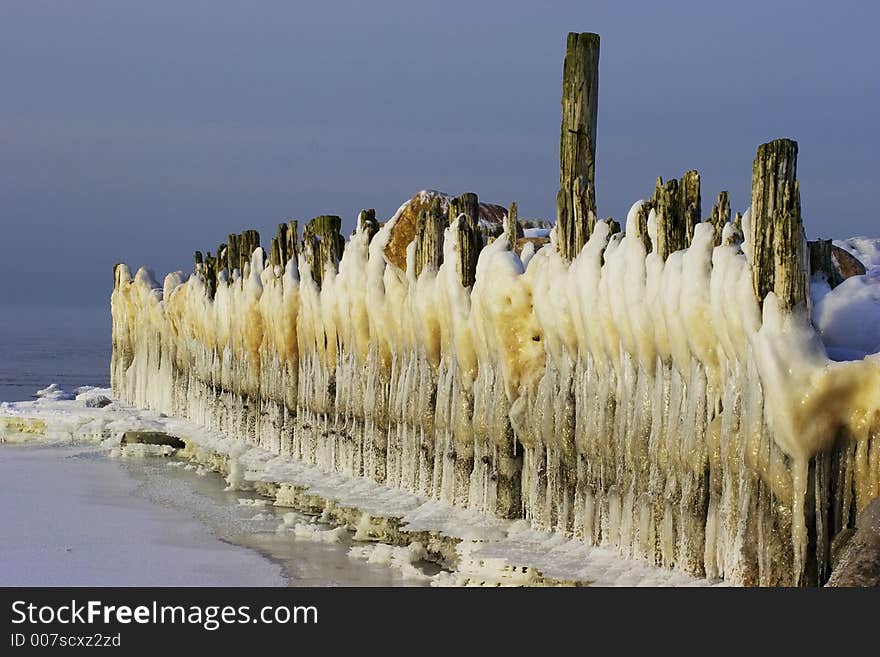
110, 530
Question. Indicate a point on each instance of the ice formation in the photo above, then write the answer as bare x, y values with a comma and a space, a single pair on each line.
652, 406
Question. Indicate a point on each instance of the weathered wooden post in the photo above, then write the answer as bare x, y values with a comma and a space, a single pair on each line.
210, 272
779, 261
576, 199
366, 222
720, 215
689, 203
250, 242
614, 226
778, 248
821, 261
677, 207
231, 254
322, 244
510, 225
284, 244
470, 240
430, 225
642, 224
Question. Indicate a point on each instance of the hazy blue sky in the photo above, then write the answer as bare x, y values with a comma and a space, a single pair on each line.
140, 132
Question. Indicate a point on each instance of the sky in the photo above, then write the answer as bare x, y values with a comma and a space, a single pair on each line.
141, 132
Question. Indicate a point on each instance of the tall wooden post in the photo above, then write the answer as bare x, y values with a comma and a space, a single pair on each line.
576, 200
778, 248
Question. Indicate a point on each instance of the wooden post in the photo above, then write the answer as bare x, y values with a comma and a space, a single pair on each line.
470, 240
511, 225
720, 215
275, 248
689, 203
250, 243
283, 246
291, 242
576, 200
821, 262
642, 224
323, 244
677, 207
738, 221
210, 273
430, 225
231, 254
677, 210
778, 248
367, 223
467, 204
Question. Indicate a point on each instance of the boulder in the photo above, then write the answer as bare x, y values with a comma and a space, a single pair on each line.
858, 559
490, 220
151, 438
846, 263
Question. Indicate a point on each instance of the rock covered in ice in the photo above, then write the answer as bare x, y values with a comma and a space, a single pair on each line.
491, 221
865, 249
846, 263
859, 563
869, 518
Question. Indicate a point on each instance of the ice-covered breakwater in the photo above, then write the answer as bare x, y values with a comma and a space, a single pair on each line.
661, 389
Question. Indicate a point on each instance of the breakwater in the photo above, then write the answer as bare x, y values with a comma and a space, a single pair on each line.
653, 384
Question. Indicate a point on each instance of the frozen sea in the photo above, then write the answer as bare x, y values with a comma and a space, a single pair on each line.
69, 346
72, 515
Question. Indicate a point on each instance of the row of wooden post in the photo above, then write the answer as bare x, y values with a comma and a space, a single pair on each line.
781, 260
779, 257
778, 252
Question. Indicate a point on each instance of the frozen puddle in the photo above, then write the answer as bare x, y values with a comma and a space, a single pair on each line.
72, 516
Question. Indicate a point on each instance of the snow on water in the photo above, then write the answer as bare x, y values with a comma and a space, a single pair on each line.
491, 551
68, 345
54, 392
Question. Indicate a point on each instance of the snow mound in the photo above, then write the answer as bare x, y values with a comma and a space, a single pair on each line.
848, 317
402, 558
